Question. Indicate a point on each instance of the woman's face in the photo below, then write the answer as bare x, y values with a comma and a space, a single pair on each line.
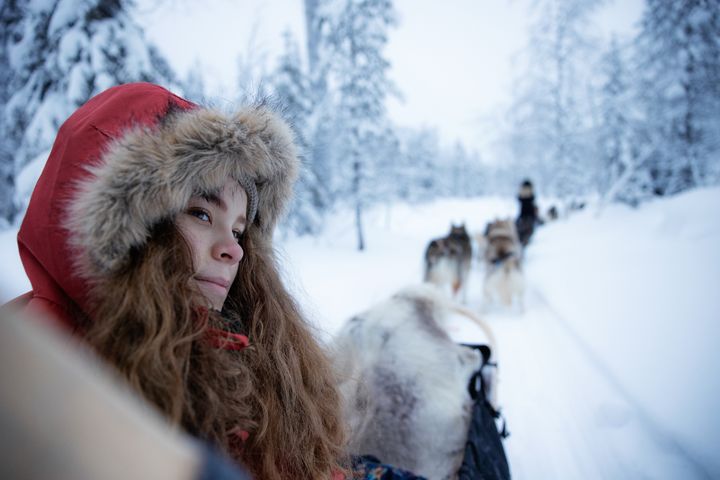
212, 226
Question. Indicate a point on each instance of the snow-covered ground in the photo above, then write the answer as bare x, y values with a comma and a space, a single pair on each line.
610, 370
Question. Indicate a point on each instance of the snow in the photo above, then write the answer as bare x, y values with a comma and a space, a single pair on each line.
609, 372
72, 45
65, 15
13, 281
78, 87
646, 303
28, 177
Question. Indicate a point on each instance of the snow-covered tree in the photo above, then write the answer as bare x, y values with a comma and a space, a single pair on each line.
253, 78
614, 134
679, 66
551, 109
614, 128
55, 55
292, 87
466, 175
11, 32
320, 18
420, 178
193, 84
358, 38
621, 170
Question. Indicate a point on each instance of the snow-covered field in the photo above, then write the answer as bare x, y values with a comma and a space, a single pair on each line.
610, 370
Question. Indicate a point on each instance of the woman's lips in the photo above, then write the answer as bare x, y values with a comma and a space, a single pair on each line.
216, 284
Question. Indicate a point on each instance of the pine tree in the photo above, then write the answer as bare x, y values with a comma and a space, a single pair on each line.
621, 171
551, 109
614, 124
11, 33
291, 85
422, 173
55, 55
358, 37
679, 63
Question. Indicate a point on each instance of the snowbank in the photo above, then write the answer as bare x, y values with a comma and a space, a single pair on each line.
640, 287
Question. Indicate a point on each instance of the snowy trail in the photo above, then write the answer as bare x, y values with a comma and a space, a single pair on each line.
568, 418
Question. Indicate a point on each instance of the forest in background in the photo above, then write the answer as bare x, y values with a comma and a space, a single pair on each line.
625, 121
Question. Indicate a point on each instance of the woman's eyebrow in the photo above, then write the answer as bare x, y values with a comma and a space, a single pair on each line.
214, 199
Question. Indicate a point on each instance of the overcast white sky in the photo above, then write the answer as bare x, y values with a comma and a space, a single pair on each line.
451, 60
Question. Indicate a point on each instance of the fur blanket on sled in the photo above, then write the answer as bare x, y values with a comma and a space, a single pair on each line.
404, 383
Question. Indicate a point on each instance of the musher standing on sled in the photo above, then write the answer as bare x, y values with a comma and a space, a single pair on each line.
528, 217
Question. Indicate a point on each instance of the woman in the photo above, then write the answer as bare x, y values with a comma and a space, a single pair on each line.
149, 235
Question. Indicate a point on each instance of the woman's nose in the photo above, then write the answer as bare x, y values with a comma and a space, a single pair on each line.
227, 249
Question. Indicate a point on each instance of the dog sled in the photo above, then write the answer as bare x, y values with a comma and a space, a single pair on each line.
416, 399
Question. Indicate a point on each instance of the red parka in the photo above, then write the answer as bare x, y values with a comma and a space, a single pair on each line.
129, 158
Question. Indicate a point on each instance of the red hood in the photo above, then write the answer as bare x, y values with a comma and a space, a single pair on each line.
45, 251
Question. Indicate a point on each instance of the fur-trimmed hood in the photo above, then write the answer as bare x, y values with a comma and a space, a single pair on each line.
132, 157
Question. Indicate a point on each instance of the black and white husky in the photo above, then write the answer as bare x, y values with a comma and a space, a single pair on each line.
504, 279
447, 262
405, 382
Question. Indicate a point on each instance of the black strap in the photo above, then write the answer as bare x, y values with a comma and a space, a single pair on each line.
476, 385
484, 456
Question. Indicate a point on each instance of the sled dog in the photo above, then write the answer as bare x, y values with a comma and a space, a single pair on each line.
552, 213
447, 261
504, 281
404, 382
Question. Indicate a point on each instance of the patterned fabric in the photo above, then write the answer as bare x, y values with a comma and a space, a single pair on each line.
370, 468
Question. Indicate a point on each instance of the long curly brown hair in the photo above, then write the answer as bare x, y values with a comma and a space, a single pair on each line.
280, 389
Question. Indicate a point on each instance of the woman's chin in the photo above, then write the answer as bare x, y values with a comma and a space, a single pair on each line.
212, 301
212, 294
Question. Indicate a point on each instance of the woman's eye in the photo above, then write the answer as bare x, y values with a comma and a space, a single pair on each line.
238, 235
200, 214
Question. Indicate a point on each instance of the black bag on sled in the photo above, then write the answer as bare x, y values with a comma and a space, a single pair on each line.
484, 457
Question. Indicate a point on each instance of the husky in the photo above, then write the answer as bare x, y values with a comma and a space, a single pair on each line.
552, 213
504, 280
404, 382
447, 261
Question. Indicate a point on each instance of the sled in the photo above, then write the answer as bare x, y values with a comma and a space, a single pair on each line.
406, 386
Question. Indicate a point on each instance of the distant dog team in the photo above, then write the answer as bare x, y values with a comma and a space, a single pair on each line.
448, 261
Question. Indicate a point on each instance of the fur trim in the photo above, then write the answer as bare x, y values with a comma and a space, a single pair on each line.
149, 175
415, 421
